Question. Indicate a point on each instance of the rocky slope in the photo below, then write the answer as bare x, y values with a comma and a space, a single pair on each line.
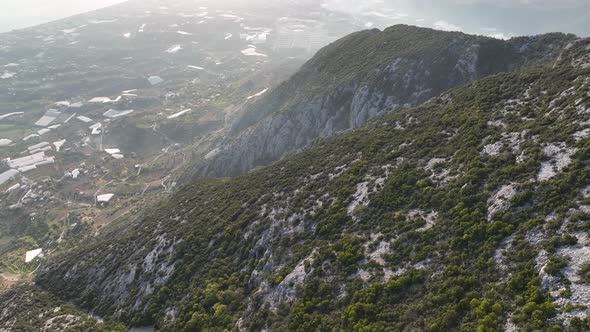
364, 75
467, 213
28, 309
78, 104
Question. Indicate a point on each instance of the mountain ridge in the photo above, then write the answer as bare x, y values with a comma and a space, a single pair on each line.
447, 200
467, 212
363, 75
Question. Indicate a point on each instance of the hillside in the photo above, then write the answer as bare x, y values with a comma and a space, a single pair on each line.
101, 112
467, 213
363, 75
27, 308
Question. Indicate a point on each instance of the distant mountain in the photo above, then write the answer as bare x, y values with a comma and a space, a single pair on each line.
366, 74
467, 213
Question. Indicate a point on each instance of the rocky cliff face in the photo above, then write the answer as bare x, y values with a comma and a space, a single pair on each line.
470, 210
364, 75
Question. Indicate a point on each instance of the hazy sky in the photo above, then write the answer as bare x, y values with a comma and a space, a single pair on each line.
499, 18
16, 14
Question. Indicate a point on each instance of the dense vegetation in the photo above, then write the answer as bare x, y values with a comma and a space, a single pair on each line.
291, 247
